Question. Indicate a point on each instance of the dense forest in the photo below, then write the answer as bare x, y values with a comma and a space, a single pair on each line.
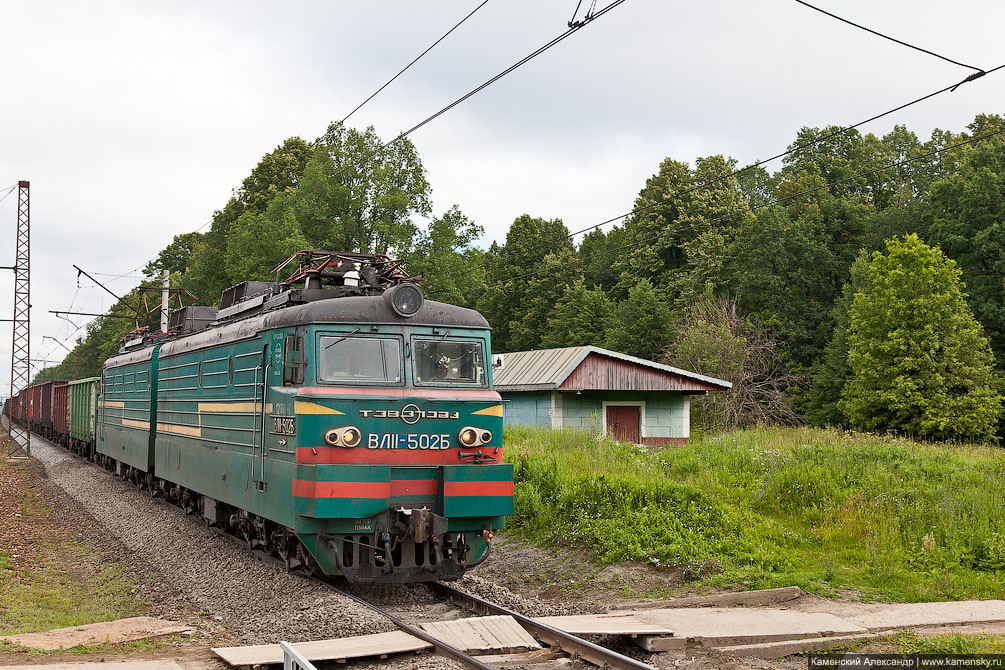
862, 284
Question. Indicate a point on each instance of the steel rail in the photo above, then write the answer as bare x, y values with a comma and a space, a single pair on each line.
577, 646
570, 644
441, 646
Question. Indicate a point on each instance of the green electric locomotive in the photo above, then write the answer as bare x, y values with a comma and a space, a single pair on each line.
336, 420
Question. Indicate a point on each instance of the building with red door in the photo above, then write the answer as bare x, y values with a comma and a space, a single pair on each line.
588, 387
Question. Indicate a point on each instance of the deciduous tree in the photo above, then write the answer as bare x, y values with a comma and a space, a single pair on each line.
919, 360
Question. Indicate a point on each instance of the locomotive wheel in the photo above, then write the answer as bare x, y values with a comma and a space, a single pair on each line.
150, 484
282, 545
307, 562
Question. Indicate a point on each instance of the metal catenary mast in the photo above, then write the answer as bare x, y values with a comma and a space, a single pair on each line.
19, 445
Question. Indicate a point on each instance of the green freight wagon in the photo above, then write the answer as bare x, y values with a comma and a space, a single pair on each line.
83, 414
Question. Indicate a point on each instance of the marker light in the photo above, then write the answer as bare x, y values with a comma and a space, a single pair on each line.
344, 437
473, 437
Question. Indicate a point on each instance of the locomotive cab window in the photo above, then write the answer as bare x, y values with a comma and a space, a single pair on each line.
439, 361
359, 360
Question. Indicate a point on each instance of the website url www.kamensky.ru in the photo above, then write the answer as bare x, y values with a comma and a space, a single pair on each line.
906, 662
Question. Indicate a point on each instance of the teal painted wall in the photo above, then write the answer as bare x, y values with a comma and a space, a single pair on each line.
527, 408
666, 413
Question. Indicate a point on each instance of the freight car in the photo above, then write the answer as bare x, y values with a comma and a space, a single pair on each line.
336, 420
60, 430
83, 416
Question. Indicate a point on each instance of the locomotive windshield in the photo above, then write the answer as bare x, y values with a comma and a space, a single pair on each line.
442, 361
354, 360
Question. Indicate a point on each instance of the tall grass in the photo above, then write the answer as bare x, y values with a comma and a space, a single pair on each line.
822, 509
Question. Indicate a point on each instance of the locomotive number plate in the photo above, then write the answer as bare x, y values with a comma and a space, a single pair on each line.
407, 441
284, 425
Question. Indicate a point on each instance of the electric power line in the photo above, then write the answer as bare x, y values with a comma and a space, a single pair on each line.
717, 180
568, 33
754, 208
414, 61
369, 157
980, 72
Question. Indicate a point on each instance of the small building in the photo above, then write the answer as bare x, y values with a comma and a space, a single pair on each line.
588, 387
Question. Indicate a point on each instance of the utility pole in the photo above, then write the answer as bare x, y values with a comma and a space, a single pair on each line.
165, 298
19, 444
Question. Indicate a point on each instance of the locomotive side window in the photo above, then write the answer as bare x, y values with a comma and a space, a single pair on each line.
354, 360
293, 363
449, 362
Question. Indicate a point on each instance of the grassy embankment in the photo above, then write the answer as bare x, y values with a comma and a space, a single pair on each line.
820, 509
48, 578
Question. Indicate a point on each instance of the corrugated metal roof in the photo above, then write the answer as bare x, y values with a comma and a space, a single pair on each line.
547, 368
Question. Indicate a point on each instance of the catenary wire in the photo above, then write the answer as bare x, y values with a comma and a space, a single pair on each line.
793, 149
370, 156
574, 12
458, 101
414, 61
754, 208
887, 37
568, 33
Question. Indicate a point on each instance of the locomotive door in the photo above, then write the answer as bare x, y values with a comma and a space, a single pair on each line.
272, 370
258, 446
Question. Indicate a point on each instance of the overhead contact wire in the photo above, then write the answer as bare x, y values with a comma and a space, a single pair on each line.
481, 87
414, 61
754, 208
797, 147
511, 68
887, 37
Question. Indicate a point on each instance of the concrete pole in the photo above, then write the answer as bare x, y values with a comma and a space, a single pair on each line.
165, 297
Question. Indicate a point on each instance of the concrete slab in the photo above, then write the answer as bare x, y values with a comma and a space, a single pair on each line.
905, 615
113, 632
759, 597
112, 665
612, 623
719, 626
377, 644
475, 635
789, 647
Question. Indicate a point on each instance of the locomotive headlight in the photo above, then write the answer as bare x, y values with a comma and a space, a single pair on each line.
468, 437
405, 299
343, 437
486, 437
351, 437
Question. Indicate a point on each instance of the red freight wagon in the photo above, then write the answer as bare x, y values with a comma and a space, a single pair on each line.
44, 415
35, 407
60, 412
24, 410
34, 401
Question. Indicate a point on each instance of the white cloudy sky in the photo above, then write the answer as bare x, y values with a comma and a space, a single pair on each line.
134, 120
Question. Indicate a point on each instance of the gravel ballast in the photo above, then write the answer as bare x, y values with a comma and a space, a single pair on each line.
258, 601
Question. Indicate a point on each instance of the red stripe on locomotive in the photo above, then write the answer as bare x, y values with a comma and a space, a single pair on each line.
477, 489
414, 487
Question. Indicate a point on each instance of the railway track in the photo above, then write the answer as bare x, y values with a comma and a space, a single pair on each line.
573, 645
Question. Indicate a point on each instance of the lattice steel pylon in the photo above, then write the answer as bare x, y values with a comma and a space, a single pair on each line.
19, 444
